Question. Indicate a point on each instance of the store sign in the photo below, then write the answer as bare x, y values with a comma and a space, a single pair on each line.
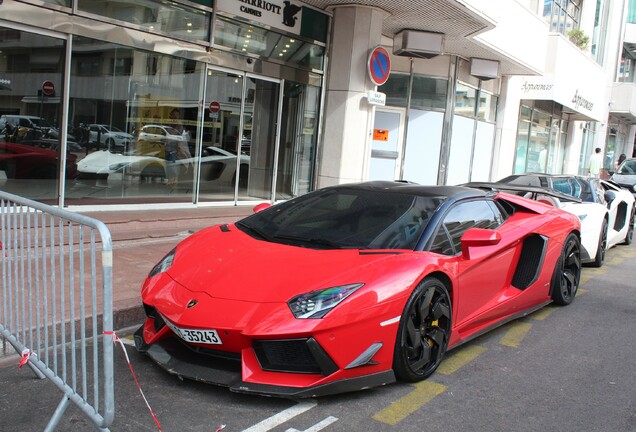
283, 15
576, 96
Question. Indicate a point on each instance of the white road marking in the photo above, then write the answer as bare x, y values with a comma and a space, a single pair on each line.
318, 426
283, 416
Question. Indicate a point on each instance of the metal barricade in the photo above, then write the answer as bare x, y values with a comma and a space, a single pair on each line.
56, 307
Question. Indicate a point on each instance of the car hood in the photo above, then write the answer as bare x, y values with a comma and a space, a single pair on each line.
623, 179
229, 264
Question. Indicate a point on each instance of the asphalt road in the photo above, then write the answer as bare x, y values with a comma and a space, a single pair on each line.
560, 369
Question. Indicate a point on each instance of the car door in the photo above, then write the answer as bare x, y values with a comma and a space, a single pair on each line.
483, 277
619, 212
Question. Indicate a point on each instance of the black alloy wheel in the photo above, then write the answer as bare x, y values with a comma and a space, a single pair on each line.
424, 331
601, 249
567, 272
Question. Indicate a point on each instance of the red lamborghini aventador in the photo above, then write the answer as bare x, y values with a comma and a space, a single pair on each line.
353, 286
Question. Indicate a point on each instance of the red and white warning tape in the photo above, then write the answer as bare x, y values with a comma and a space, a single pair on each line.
26, 355
117, 340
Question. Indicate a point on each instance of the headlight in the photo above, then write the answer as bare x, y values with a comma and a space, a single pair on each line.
582, 217
316, 304
634, 188
164, 264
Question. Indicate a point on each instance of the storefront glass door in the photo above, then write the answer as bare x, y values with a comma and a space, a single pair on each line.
259, 138
221, 136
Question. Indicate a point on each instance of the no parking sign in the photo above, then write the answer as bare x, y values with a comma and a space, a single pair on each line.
379, 65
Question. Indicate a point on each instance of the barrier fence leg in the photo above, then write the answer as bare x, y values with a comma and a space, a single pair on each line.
64, 403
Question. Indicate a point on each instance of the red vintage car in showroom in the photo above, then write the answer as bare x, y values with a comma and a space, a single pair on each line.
353, 286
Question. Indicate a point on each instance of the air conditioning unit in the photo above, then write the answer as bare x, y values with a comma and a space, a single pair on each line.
412, 43
484, 69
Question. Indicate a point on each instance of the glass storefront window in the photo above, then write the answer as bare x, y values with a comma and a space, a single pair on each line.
133, 116
523, 135
487, 108
429, 92
171, 18
562, 15
396, 89
64, 3
541, 139
299, 135
249, 39
465, 100
30, 115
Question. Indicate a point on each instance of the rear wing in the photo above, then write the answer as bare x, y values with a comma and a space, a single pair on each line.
532, 192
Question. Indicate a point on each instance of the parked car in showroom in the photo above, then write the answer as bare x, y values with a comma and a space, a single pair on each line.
109, 137
625, 175
218, 167
606, 210
20, 161
353, 286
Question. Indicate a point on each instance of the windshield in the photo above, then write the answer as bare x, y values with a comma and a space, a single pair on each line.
345, 218
628, 167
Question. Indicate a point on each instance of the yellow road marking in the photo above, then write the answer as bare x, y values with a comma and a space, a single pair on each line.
581, 291
596, 271
459, 358
615, 261
584, 279
515, 334
543, 313
424, 392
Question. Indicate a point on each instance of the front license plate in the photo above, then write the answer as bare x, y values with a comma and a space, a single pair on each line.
209, 337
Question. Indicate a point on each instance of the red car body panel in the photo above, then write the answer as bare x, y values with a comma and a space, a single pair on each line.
249, 303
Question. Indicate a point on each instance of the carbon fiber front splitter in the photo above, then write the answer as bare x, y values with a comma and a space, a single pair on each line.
177, 360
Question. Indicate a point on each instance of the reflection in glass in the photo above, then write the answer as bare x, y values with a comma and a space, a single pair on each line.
222, 137
30, 121
465, 100
135, 124
428, 92
155, 16
249, 39
259, 138
299, 134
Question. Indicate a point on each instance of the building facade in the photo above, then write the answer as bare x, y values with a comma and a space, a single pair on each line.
231, 102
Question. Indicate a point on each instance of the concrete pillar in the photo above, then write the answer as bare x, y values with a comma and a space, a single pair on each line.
348, 118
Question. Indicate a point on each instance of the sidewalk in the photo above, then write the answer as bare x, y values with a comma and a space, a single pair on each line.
142, 238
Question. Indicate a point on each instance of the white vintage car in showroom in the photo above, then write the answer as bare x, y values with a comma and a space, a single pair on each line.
218, 167
605, 209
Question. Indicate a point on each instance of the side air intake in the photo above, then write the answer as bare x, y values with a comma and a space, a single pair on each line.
530, 261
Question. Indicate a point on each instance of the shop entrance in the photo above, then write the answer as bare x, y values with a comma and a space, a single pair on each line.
238, 137
387, 144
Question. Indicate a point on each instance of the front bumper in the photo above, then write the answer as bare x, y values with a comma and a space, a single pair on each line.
177, 359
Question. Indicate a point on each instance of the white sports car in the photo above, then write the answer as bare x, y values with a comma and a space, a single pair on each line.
606, 211
218, 166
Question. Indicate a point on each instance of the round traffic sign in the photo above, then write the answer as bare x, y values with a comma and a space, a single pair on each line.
379, 65
48, 88
215, 106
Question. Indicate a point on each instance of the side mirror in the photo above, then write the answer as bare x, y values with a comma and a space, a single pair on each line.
609, 196
261, 207
478, 237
